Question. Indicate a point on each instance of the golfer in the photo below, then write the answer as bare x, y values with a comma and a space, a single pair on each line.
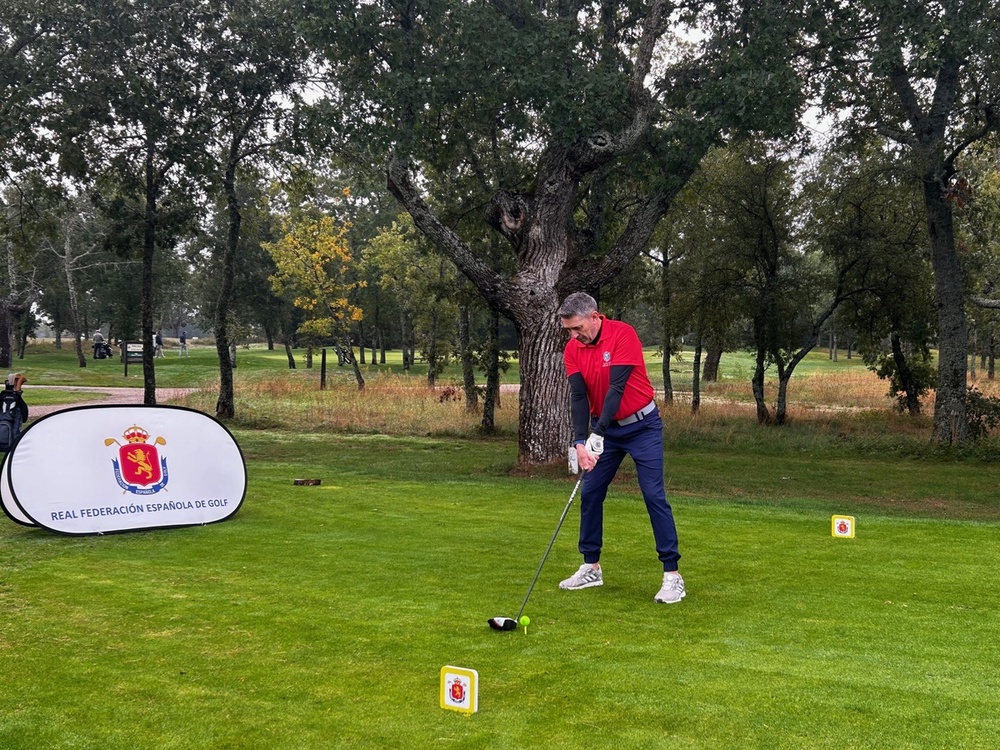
612, 399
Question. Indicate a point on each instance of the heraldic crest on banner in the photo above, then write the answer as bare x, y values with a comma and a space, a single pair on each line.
139, 468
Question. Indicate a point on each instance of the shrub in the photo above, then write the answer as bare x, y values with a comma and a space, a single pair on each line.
981, 412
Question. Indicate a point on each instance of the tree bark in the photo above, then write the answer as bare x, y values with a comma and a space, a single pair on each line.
713, 357
491, 395
465, 353
225, 405
905, 374
950, 424
990, 357
348, 351
696, 378
432, 348
757, 385
667, 323
74, 306
146, 294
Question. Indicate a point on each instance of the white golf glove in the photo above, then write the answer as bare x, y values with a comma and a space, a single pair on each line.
595, 444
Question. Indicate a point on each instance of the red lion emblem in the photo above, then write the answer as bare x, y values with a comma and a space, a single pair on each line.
139, 462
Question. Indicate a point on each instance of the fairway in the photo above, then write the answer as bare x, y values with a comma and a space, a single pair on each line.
320, 617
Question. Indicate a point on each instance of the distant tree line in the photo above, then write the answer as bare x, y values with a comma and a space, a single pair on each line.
408, 175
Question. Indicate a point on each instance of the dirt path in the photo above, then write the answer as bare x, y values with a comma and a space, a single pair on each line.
111, 397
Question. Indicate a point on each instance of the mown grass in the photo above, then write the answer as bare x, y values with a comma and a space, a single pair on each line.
43, 364
320, 617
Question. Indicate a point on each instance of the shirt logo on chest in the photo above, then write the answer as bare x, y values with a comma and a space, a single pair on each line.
607, 358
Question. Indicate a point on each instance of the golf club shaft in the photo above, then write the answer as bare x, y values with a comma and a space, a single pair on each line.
549, 549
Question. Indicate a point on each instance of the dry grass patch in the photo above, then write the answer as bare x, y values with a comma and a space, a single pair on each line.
855, 389
389, 404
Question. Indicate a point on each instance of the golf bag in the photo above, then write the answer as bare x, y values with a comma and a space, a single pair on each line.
103, 350
13, 412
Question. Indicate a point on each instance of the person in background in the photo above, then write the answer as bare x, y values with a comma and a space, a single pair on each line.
184, 346
98, 342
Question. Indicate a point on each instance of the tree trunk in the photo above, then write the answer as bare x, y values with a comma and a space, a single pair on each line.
950, 424
225, 405
757, 384
74, 306
291, 355
23, 328
696, 378
6, 355
990, 352
543, 399
432, 349
491, 396
713, 357
465, 353
81, 357
905, 375
349, 355
404, 338
146, 289
667, 324
781, 407
973, 345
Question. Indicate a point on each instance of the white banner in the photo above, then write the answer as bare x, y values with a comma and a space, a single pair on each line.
14, 513
103, 469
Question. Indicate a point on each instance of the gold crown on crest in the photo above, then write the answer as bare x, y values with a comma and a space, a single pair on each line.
135, 434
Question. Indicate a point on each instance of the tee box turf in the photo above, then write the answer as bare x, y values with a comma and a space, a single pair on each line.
842, 526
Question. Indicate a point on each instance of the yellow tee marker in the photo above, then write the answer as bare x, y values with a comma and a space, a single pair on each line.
842, 526
460, 689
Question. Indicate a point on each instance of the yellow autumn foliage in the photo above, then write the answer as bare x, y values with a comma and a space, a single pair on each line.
313, 263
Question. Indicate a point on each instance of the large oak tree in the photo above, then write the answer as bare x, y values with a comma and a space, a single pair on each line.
577, 123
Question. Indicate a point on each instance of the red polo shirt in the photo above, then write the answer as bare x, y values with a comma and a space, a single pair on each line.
617, 344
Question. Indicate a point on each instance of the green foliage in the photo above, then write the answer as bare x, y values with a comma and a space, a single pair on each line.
982, 413
423, 283
922, 371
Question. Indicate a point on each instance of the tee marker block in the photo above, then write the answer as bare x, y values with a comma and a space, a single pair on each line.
460, 689
842, 526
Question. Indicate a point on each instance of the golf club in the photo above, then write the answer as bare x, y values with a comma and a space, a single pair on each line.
508, 623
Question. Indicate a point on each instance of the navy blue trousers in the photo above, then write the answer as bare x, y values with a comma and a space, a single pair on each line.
643, 441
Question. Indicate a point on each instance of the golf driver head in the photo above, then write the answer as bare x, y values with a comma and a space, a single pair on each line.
503, 623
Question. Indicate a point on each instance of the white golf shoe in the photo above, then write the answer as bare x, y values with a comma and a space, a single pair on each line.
586, 577
672, 590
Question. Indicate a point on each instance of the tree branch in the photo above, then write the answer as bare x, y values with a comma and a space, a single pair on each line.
603, 146
990, 304
489, 283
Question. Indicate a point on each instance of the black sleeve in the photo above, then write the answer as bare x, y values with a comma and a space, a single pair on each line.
619, 377
579, 408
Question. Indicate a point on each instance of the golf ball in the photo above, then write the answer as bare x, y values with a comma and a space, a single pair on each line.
525, 620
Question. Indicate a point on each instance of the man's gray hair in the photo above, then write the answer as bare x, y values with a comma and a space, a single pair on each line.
577, 304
